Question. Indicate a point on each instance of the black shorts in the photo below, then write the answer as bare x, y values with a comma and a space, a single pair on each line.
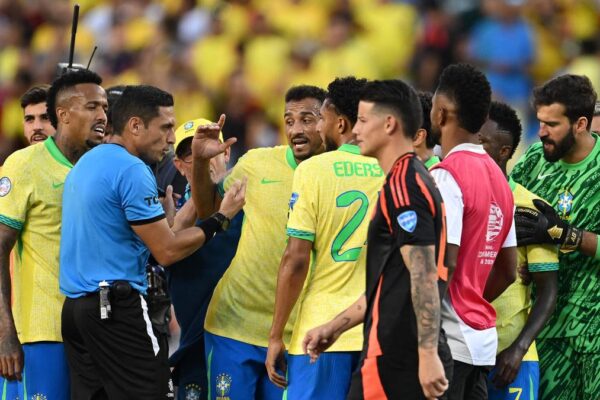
396, 381
118, 358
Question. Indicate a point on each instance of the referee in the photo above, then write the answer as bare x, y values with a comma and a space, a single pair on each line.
112, 220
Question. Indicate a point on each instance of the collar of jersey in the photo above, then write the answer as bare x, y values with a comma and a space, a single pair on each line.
349, 148
56, 154
289, 156
587, 159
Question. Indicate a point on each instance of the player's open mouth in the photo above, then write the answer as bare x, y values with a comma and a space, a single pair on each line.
100, 129
38, 137
300, 143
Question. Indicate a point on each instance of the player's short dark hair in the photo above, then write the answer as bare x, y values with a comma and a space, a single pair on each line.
425, 99
64, 82
574, 92
507, 120
399, 98
297, 93
35, 95
470, 91
344, 93
113, 94
142, 101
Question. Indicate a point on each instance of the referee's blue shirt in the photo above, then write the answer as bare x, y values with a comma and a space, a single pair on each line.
106, 192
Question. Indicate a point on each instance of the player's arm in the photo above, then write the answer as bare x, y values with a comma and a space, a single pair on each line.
11, 353
206, 145
509, 360
420, 262
290, 280
319, 339
543, 225
168, 246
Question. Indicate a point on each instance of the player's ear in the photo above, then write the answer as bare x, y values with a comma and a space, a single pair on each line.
62, 115
391, 124
505, 152
343, 124
134, 124
419, 137
178, 165
581, 124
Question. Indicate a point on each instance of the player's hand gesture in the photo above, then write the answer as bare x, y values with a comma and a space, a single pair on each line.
431, 374
234, 199
11, 354
319, 339
206, 143
508, 363
276, 361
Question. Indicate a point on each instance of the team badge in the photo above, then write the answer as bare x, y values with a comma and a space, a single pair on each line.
5, 186
223, 386
408, 221
39, 396
495, 223
293, 200
192, 392
565, 203
188, 125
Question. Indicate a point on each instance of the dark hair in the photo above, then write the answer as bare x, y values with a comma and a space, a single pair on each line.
399, 98
140, 101
113, 94
344, 95
64, 82
507, 120
35, 95
470, 91
425, 99
302, 92
574, 92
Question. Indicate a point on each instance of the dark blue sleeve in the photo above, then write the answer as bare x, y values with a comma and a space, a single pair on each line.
139, 195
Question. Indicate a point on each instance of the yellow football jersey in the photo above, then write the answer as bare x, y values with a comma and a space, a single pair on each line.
512, 307
242, 304
333, 196
31, 191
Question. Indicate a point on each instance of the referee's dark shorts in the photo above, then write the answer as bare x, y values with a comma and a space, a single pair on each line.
118, 358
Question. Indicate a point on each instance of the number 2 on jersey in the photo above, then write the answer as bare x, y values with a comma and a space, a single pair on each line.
346, 199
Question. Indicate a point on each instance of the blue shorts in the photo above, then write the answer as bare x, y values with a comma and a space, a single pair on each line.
524, 387
236, 370
327, 379
46, 374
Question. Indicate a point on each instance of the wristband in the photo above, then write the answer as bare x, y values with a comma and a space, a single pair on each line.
210, 226
572, 239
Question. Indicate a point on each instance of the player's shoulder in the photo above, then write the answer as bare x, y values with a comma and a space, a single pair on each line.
24, 159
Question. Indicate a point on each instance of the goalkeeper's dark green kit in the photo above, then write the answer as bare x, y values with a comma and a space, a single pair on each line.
569, 345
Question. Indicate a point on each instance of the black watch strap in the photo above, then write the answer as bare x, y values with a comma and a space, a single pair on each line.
222, 219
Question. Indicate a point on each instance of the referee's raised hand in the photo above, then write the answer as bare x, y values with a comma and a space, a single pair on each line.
206, 143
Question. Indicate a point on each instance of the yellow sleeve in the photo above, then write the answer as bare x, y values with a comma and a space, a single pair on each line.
302, 220
542, 258
15, 193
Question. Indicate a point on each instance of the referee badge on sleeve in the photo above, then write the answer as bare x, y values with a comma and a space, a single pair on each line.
408, 221
5, 186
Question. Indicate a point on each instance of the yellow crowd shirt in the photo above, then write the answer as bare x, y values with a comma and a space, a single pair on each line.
332, 199
512, 307
31, 189
242, 304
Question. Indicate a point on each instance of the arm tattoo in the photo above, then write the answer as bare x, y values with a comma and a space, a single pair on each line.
424, 293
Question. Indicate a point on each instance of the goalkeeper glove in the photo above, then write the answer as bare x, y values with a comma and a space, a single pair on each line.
545, 226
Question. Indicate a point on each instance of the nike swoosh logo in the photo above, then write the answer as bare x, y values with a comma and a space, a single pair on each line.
542, 176
265, 181
57, 185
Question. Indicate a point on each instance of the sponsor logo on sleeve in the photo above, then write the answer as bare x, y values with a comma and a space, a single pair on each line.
293, 200
408, 221
5, 186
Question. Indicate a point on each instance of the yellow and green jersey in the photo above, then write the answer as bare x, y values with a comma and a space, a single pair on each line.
574, 192
333, 196
513, 305
31, 191
242, 304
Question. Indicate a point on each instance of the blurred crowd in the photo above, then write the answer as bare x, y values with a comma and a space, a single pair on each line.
238, 57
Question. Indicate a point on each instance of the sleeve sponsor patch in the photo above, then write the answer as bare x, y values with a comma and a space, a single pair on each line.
408, 221
293, 200
5, 186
